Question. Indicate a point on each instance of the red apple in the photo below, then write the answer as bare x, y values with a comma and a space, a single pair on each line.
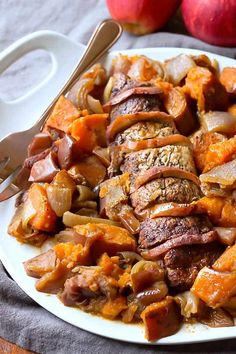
142, 16
213, 21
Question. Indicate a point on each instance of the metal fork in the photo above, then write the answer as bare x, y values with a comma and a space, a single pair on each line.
13, 148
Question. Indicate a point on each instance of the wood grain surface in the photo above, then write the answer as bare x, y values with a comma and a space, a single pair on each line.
9, 348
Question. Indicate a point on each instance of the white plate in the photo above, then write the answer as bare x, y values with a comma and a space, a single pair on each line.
65, 53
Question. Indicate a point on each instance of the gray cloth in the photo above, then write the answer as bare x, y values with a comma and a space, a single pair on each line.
22, 321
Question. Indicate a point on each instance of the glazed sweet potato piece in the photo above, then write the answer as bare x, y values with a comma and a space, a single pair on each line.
203, 86
219, 153
177, 105
45, 218
161, 319
227, 261
112, 239
62, 116
201, 142
228, 79
221, 211
113, 308
213, 287
90, 131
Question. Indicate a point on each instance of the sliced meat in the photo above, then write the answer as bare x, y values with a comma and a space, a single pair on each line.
89, 283
156, 231
169, 155
183, 240
122, 83
134, 103
164, 190
137, 103
183, 263
145, 130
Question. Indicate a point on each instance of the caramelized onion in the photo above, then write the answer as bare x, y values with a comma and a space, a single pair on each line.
166, 209
175, 139
129, 221
153, 294
85, 193
103, 155
188, 303
142, 90
94, 105
107, 90
28, 212
144, 274
125, 121
177, 68
165, 171
224, 175
227, 235
219, 122
70, 219
59, 198
130, 257
95, 76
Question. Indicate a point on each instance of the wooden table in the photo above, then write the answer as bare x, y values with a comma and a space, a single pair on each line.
9, 348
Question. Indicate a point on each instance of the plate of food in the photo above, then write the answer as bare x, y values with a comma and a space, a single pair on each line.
127, 228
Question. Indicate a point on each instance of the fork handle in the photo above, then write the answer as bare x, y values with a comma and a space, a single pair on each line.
104, 36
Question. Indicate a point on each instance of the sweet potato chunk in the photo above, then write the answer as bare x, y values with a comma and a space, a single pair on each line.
62, 116
214, 288
219, 153
161, 319
227, 261
90, 131
201, 142
203, 86
221, 211
45, 218
112, 308
228, 79
112, 239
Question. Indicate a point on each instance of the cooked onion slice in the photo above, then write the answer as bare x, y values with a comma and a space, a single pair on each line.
166, 209
129, 221
125, 121
227, 235
177, 68
145, 90
59, 198
224, 175
94, 105
175, 139
219, 122
70, 219
164, 171
188, 303
103, 155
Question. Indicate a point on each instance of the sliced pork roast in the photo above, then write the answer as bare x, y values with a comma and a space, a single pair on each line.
125, 99
161, 170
